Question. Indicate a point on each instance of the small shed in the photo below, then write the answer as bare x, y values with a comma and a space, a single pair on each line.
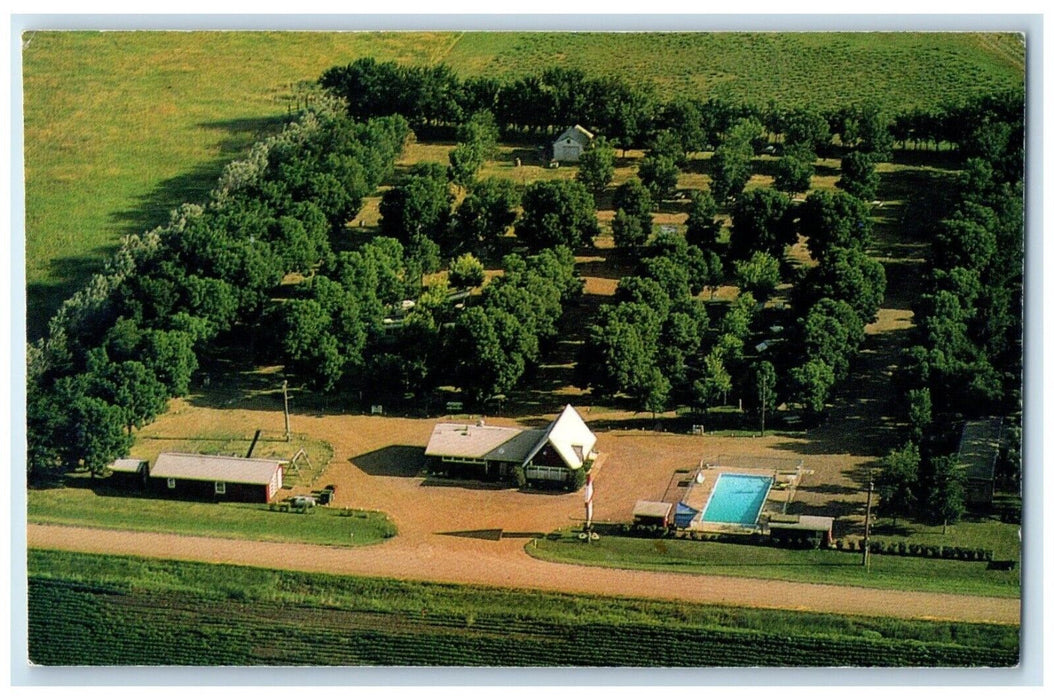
802, 529
652, 513
128, 472
216, 477
570, 145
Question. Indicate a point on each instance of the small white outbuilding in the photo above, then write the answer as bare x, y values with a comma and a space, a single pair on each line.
570, 145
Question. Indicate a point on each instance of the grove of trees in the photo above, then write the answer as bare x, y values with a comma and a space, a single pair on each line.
269, 266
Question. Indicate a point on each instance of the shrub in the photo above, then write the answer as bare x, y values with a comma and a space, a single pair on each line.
466, 271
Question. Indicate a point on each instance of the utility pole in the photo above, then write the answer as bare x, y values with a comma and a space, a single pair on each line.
285, 399
867, 527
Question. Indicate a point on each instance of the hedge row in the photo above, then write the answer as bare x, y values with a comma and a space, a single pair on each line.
913, 549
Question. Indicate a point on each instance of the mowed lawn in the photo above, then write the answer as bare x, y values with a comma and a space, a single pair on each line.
108, 508
811, 566
122, 127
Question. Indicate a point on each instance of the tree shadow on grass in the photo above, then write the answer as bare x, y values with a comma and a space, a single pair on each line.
154, 208
65, 276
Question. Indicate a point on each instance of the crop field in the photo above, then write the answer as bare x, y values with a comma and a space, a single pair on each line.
814, 566
90, 609
819, 69
114, 143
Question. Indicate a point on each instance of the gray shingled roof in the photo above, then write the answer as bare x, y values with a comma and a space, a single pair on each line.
128, 465
236, 470
470, 441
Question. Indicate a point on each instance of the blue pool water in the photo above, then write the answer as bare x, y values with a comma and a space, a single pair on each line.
737, 498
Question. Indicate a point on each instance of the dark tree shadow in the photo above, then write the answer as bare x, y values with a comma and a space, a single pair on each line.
154, 208
492, 535
65, 276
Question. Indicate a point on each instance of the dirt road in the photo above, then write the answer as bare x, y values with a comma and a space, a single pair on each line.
377, 464
504, 563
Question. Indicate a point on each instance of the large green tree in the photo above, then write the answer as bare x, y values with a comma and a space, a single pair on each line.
486, 212
418, 207
859, 177
762, 220
659, 174
897, 482
834, 220
596, 166
945, 491
848, 274
759, 275
557, 212
794, 170
703, 228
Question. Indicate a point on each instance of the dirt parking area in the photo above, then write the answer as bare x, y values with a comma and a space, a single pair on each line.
378, 463
469, 532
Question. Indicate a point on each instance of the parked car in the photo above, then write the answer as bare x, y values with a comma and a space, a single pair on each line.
302, 501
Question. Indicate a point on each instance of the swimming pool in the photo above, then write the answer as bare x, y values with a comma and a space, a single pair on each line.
737, 499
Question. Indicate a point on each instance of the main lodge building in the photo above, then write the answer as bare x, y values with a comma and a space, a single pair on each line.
494, 453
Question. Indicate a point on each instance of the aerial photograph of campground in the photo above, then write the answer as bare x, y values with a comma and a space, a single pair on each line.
524, 349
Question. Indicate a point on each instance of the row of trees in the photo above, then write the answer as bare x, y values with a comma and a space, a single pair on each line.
636, 356
420, 212
966, 358
932, 489
493, 344
631, 115
645, 343
118, 349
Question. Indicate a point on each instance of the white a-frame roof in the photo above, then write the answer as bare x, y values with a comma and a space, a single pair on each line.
570, 437
576, 133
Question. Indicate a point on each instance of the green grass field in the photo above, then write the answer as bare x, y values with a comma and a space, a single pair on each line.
97, 504
122, 127
94, 609
810, 566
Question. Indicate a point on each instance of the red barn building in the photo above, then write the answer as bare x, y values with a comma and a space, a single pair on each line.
216, 477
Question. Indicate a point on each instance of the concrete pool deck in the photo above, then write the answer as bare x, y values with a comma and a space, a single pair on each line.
785, 481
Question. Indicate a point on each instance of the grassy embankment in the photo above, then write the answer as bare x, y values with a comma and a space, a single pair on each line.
122, 127
93, 609
90, 502
810, 566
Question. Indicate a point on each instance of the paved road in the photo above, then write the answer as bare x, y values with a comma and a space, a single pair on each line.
504, 563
